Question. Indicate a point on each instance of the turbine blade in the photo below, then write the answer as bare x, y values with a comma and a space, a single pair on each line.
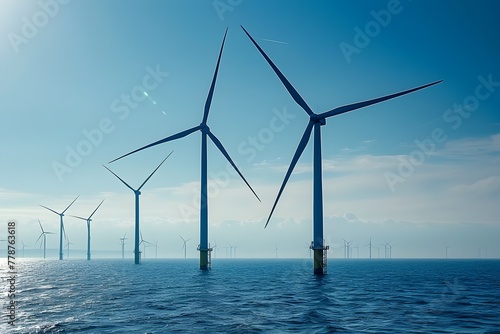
182, 238
95, 209
64, 232
164, 140
41, 226
154, 171
70, 204
212, 86
302, 145
221, 148
78, 217
354, 106
57, 213
39, 237
119, 178
291, 90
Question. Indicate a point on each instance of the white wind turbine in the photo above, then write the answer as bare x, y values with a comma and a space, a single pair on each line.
184, 247
43, 236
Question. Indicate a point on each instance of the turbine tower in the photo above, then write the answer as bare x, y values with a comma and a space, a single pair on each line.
122, 241
61, 226
370, 245
315, 123
88, 220
67, 246
184, 245
446, 249
43, 235
205, 134
137, 192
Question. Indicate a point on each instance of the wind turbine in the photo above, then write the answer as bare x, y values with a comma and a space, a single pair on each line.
156, 249
205, 134
315, 122
390, 250
67, 245
23, 247
144, 244
61, 226
357, 250
88, 220
43, 235
347, 246
370, 245
385, 249
446, 249
276, 250
122, 241
137, 192
215, 248
184, 245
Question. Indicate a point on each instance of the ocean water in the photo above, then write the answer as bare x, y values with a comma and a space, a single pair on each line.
255, 296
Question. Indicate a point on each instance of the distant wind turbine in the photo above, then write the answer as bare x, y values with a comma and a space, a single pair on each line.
390, 250
446, 249
315, 122
43, 235
276, 250
61, 226
137, 192
215, 248
144, 244
347, 248
205, 134
122, 241
386, 246
370, 245
67, 246
184, 247
88, 220
23, 246
156, 249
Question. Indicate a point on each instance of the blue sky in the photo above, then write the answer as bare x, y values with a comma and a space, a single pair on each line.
65, 67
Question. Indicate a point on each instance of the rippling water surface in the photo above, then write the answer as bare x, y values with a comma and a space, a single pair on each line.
256, 296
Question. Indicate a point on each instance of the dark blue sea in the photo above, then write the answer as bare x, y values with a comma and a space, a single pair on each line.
255, 296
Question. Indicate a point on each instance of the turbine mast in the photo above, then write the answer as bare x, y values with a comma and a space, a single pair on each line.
318, 246
203, 246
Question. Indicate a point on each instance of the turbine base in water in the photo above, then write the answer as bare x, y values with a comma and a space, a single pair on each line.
205, 258
321, 260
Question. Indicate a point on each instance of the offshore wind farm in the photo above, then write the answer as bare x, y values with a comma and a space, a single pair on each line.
392, 207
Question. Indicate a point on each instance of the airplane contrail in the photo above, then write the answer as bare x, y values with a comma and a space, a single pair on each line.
272, 40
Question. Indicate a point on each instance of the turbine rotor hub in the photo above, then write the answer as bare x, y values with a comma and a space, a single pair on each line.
316, 119
204, 128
